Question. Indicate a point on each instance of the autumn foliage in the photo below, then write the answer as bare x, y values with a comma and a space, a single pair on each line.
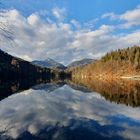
125, 62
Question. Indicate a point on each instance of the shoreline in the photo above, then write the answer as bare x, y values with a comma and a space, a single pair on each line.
134, 77
109, 77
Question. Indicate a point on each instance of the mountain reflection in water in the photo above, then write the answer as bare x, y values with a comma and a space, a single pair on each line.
66, 110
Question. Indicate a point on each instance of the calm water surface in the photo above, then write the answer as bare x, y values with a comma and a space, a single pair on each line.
62, 111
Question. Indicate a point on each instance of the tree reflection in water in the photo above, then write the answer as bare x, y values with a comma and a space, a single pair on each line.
118, 91
68, 110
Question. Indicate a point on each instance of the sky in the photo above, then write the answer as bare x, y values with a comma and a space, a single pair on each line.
68, 30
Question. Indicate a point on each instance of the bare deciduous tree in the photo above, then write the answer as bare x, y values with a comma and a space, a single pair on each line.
5, 30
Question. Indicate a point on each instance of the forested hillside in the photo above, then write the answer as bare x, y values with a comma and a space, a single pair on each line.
12, 67
116, 64
130, 54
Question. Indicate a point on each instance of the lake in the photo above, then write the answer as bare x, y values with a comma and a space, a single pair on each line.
67, 110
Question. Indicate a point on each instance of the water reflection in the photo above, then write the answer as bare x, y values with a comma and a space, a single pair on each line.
119, 91
8, 88
59, 112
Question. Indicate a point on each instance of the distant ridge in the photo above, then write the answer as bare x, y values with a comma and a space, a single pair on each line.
82, 62
49, 63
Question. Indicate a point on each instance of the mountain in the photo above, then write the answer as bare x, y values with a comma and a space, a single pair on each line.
84, 61
49, 63
13, 67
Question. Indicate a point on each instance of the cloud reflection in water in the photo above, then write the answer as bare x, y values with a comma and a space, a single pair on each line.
66, 113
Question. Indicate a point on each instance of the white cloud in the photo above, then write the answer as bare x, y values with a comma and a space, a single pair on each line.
33, 19
35, 38
130, 18
91, 23
76, 24
59, 13
111, 15
26, 57
132, 15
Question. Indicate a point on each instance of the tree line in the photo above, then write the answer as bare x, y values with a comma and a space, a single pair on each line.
131, 54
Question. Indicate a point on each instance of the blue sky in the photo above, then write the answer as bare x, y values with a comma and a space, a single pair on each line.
93, 20
82, 10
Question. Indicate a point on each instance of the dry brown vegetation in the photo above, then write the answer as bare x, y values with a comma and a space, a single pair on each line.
125, 62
